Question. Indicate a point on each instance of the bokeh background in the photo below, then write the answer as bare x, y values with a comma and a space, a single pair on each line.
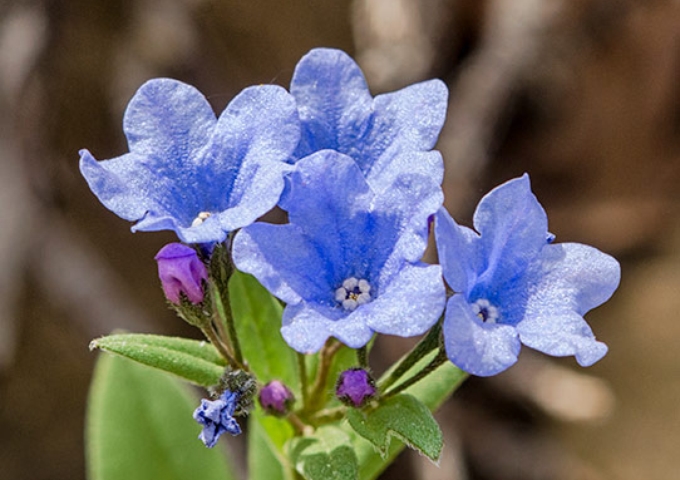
582, 94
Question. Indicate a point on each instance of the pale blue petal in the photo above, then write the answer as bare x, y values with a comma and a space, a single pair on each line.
513, 228
285, 262
245, 162
570, 280
409, 305
307, 327
168, 120
479, 348
329, 199
405, 209
408, 119
333, 101
457, 253
428, 164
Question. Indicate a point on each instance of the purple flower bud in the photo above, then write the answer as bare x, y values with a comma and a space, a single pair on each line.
217, 417
181, 272
355, 387
276, 398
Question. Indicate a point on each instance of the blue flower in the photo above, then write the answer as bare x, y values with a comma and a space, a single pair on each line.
338, 112
513, 286
216, 416
348, 263
190, 172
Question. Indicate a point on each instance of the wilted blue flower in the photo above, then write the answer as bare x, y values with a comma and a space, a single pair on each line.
348, 263
181, 272
513, 287
216, 416
190, 172
338, 112
355, 387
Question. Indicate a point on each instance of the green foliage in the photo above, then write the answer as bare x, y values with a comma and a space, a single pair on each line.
404, 417
267, 436
192, 360
326, 455
432, 391
139, 427
257, 316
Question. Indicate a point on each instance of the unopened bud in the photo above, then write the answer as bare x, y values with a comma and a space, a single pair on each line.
276, 398
355, 387
181, 272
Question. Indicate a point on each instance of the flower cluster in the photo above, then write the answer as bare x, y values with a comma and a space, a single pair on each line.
360, 183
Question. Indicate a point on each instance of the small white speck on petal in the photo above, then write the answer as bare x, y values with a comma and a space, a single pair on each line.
364, 286
350, 283
340, 295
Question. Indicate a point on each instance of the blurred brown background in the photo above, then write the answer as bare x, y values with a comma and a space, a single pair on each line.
582, 94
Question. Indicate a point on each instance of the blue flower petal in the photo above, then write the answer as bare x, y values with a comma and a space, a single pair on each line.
481, 349
409, 305
333, 101
337, 112
306, 327
185, 165
168, 120
457, 250
410, 118
573, 279
513, 228
285, 262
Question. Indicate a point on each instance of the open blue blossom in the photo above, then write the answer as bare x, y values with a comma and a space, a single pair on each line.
190, 172
348, 263
513, 286
338, 112
217, 417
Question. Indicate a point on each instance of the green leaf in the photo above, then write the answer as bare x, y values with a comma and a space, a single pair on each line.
192, 360
403, 417
140, 426
326, 455
257, 317
267, 436
433, 390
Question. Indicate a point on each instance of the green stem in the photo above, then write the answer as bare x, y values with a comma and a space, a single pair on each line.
329, 415
302, 371
220, 346
426, 345
362, 357
222, 267
435, 363
325, 360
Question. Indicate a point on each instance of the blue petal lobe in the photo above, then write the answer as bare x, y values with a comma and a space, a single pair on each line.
410, 118
284, 261
169, 120
409, 305
572, 279
333, 101
306, 328
513, 228
456, 248
478, 348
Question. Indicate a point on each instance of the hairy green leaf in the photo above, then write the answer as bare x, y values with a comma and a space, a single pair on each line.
192, 360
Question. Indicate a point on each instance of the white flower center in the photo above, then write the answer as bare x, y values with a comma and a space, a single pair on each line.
200, 219
484, 310
353, 293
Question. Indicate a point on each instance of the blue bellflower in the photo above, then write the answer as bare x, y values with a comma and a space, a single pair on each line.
192, 173
348, 263
217, 417
338, 112
513, 286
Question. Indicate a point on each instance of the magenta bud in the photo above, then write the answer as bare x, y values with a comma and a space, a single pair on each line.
276, 398
181, 272
355, 387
